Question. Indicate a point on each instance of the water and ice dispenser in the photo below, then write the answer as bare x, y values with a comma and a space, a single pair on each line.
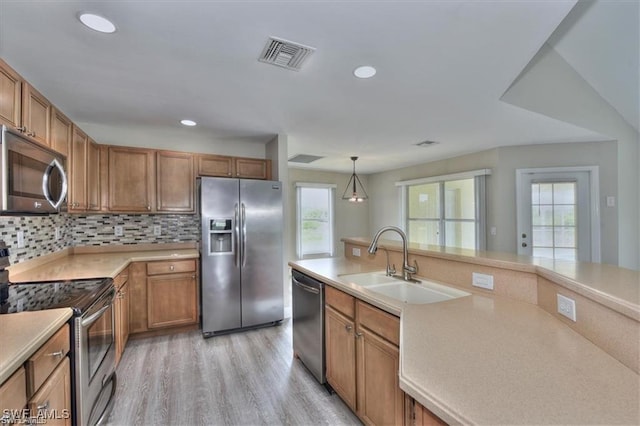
221, 236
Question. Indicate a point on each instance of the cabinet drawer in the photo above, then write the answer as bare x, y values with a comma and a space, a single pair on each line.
382, 323
13, 392
158, 268
43, 362
54, 397
340, 301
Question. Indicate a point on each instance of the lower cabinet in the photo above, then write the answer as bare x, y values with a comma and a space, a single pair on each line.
362, 358
417, 415
53, 399
121, 308
164, 294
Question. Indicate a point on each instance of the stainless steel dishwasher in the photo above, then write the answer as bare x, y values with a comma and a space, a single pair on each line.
308, 323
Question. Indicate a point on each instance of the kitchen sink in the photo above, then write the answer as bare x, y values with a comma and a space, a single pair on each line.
367, 279
406, 292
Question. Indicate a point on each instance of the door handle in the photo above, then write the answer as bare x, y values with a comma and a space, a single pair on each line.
236, 257
524, 244
45, 183
244, 236
306, 287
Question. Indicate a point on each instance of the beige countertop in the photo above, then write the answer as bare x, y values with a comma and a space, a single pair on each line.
22, 334
94, 265
491, 360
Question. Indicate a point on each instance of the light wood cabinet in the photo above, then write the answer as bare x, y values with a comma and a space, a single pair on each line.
175, 182
13, 395
77, 200
93, 176
54, 397
22, 107
252, 168
164, 295
131, 179
36, 114
216, 165
341, 355
61, 133
417, 415
121, 309
10, 96
362, 358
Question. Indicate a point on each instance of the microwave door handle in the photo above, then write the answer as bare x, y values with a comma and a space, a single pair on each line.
45, 183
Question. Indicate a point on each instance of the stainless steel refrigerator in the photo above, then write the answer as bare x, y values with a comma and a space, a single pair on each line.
242, 260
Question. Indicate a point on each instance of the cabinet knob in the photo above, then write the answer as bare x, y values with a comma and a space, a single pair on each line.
148, 207
59, 353
358, 335
348, 327
43, 406
22, 129
193, 276
171, 267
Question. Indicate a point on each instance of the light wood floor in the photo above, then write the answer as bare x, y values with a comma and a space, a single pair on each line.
248, 378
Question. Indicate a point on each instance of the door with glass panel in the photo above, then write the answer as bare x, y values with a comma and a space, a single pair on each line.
554, 215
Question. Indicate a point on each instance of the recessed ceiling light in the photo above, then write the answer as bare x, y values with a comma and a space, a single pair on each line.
188, 122
365, 71
97, 23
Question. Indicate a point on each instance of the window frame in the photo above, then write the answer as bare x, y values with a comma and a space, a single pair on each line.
479, 177
332, 202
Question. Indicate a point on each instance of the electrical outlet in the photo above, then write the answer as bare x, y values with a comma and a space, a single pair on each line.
56, 287
566, 307
20, 237
355, 251
20, 305
58, 233
118, 230
157, 230
482, 281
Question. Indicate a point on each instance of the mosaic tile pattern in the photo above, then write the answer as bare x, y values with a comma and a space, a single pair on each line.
39, 235
92, 230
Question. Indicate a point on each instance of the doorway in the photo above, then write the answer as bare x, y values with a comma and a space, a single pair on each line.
557, 213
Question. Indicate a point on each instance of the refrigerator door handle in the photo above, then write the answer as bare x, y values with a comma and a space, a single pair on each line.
244, 237
236, 255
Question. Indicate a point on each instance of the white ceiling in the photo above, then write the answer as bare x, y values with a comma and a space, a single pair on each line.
442, 67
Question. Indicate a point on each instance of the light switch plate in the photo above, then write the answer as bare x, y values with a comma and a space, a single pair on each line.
118, 230
566, 307
20, 238
157, 230
58, 233
482, 280
355, 251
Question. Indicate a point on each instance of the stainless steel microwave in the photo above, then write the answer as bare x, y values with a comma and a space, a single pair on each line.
33, 178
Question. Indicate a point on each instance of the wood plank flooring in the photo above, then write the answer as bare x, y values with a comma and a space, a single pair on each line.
248, 378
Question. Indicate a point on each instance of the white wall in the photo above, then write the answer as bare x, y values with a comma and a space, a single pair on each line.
501, 190
351, 219
550, 86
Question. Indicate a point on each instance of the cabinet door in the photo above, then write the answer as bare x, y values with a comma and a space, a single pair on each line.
131, 179
121, 306
215, 165
424, 417
77, 171
172, 300
36, 113
54, 397
10, 96
13, 393
175, 182
104, 177
253, 168
61, 133
137, 297
340, 351
93, 176
380, 400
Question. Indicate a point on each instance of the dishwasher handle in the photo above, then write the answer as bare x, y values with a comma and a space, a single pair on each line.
306, 287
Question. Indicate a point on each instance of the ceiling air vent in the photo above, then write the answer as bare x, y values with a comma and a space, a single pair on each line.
304, 158
284, 53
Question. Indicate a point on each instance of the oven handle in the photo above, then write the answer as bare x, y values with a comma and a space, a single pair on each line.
94, 317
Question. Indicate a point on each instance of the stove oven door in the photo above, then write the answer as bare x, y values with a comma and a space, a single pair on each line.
95, 362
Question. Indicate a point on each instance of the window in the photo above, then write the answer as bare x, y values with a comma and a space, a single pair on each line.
553, 220
446, 210
315, 222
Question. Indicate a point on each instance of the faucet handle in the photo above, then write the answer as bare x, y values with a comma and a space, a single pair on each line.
391, 270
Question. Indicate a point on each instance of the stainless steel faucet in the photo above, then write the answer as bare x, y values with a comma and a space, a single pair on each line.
407, 269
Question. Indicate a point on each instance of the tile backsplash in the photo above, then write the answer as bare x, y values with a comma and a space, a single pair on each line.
92, 230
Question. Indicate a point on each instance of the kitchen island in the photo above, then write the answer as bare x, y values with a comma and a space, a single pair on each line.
498, 359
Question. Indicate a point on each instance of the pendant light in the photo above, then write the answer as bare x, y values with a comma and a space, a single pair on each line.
352, 192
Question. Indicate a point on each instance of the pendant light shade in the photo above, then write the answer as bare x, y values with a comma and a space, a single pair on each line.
355, 191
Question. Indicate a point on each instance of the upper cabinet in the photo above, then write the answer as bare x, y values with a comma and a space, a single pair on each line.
36, 113
60, 133
10, 96
77, 171
93, 176
175, 182
131, 179
239, 167
22, 107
